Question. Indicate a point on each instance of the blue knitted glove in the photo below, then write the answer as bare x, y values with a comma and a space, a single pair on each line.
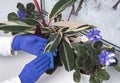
33, 70
51, 56
29, 43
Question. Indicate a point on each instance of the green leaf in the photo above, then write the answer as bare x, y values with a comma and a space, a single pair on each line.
75, 30
70, 32
14, 33
46, 30
6, 31
2, 24
111, 49
81, 27
29, 21
14, 28
58, 18
76, 76
87, 64
80, 49
20, 6
30, 7
94, 79
98, 44
59, 7
79, 61
30, 30
20, 23
89, 47
66, 55
36, 15
63, 29
12, 16
117, 68
54, 41
103, 75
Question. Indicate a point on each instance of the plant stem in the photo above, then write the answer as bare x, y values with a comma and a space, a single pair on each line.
73, 7
116, 5
38, 30
40, 12
79, 7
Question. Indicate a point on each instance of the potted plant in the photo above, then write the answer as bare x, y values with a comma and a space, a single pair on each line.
76, 52
85, 54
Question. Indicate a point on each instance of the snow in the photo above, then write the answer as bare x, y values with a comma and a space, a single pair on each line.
95, 12
98, 13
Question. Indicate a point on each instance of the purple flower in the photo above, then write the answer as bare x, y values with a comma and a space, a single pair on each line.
94, 35
21, 14
106, 58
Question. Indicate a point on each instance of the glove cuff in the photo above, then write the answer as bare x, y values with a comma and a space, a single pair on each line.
16, 43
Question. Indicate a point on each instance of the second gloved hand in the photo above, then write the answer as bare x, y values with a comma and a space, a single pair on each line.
29, 43
33, 70
51, 56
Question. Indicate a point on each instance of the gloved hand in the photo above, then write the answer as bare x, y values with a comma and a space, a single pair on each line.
51, 56
33, 70
29, 43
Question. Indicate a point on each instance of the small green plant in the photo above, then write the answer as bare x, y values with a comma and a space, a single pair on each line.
87, 55
27, 11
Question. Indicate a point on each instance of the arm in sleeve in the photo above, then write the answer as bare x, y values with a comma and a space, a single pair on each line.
5, 46
12, 80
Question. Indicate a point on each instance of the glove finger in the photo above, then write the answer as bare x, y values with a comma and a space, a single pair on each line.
41, 39
37, 59
38, 48
50, 54
41, 67
41, 72
45, 61
41, 46
37, 38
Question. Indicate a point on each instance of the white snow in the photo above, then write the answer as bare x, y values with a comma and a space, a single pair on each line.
95, 12
98, 13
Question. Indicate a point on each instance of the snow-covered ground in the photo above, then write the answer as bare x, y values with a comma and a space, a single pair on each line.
104, 17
